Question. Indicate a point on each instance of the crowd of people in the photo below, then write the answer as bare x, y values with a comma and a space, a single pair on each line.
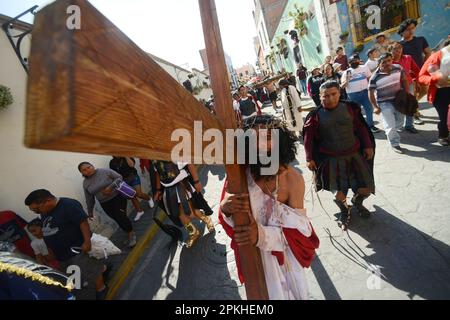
378, 85
392, 67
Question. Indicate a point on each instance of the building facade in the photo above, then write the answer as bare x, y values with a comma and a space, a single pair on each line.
261, 64
358, 18
245, 73
299, 37
267, 15
310, 30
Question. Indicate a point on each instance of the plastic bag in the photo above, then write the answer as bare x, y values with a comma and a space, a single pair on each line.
99, 225
125, 190
102, 247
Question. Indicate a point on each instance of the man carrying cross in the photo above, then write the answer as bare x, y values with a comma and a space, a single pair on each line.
279, 226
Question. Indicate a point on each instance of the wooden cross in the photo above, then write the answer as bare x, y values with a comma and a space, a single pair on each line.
93, 90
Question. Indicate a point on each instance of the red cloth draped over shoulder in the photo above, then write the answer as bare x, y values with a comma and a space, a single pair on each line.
303, 248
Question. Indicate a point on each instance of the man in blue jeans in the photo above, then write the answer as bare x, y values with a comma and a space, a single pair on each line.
356, 81
387, 80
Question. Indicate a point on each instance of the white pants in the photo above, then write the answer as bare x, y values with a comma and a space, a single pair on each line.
392, 121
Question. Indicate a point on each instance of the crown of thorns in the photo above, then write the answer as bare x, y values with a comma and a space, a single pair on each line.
268, 121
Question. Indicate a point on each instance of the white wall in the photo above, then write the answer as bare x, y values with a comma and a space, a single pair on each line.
321, 19
23, 170
334, 30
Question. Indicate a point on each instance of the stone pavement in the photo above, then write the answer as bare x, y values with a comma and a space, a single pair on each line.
401, 252
206, 271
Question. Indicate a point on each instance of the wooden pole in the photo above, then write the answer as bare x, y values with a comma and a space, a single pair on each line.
251, 263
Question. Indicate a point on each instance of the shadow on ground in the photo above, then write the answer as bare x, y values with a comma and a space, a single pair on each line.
406, 258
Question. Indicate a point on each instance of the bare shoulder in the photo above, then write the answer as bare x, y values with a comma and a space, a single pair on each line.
294, 176
296, 187
295, 179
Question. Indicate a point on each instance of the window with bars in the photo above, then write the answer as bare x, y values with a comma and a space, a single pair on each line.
392, 13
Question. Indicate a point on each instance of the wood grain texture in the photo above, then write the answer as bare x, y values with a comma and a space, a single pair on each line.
255, 284
93, 90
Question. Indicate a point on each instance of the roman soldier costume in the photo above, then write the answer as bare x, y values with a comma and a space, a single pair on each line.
180, 196
335, 140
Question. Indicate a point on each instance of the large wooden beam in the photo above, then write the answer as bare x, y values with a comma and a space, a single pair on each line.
93, 90
252, 268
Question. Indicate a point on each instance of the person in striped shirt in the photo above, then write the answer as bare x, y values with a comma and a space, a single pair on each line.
384, 84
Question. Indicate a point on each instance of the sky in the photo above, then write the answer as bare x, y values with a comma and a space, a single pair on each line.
170, 29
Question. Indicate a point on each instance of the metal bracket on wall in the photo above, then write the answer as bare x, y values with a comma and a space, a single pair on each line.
16, 40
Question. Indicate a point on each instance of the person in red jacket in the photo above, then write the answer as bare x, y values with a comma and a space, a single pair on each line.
411, 70
436, 75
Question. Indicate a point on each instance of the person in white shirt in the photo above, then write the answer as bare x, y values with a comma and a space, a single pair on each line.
43, 254
356, 82
372, 62
292, 108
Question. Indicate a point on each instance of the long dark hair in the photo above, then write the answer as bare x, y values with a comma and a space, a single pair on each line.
287, 143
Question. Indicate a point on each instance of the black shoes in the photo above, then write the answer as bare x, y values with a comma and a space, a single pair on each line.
374, 129
412, 130
344, 216
397, 149
358, 207
347, 211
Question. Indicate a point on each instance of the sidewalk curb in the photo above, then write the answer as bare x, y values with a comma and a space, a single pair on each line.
132, 259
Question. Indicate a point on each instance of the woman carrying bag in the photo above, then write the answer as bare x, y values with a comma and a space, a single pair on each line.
102, 184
